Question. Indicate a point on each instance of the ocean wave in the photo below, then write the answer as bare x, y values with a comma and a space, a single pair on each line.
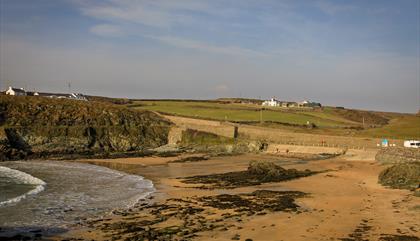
21, 178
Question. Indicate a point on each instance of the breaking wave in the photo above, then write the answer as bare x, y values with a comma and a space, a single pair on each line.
19, 177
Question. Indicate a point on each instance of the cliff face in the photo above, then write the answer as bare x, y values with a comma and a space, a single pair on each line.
41, 127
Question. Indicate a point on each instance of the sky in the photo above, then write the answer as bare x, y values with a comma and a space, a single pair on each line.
357, 54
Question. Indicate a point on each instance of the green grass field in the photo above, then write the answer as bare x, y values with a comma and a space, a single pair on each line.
406, 127
241, 113
330, 120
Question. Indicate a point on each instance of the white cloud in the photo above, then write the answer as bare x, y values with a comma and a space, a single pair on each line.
107, 30
159, 13
203, 46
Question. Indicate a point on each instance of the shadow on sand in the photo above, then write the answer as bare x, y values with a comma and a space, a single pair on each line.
29, 233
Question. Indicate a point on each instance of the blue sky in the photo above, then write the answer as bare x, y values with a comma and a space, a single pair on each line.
361, 54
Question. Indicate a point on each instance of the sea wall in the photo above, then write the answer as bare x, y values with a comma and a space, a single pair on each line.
398, 155
279, 136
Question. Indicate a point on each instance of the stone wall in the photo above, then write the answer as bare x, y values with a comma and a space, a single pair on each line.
278, 136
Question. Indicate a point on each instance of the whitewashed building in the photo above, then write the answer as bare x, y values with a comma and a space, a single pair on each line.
271, 102
16, 91
77, 96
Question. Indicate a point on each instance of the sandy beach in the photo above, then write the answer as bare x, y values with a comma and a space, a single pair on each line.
343, 202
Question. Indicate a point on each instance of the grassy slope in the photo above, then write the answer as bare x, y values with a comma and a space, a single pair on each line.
406, 127
240, 112
331, 120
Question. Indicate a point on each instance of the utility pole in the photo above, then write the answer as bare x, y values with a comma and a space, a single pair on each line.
69, 85
363, 122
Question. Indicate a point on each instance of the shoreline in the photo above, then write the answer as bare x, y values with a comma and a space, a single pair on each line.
349, 190
62, 214
344, 203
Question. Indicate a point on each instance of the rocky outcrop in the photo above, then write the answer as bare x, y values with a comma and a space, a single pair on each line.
37, 126
401, 176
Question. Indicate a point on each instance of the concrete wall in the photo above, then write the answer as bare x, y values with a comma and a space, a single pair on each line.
216, 127
277, 135
291, 138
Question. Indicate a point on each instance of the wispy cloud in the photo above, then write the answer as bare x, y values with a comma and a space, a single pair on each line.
158, 17
203, 46
158, 13
209, 47
107, 30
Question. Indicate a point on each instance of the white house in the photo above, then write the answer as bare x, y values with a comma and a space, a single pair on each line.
77, 96
271, 102
16, 91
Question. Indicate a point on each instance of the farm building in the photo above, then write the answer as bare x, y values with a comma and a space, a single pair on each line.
15, 91
271, 102
309, 104
290, 104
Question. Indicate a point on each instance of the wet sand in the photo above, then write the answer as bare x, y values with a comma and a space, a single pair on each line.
345, 203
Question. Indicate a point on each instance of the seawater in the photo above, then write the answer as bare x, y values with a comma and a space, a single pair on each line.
57, 194
16, 185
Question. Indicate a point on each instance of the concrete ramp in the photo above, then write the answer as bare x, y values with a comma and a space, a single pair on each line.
175, 135
280, 148
215, 127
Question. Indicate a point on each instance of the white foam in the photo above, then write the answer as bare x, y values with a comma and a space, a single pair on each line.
21, 178
75, 191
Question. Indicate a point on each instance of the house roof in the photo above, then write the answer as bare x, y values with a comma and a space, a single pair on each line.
18, 90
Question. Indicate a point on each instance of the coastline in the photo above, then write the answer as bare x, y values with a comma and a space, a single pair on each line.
344, 202
67, 201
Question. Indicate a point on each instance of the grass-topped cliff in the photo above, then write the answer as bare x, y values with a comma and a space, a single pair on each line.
325, 120
44, 126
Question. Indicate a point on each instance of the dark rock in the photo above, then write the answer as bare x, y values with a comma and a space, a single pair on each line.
258, 172
236, 237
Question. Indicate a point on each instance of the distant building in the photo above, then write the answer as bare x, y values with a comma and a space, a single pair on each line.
288, 104
271, 102
54, 95
73, 96
16, 91
309, 104
77, 96
32, 93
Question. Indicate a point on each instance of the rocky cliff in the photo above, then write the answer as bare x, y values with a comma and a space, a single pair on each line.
38, 126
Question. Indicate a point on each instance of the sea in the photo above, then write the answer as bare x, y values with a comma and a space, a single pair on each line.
58, 194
